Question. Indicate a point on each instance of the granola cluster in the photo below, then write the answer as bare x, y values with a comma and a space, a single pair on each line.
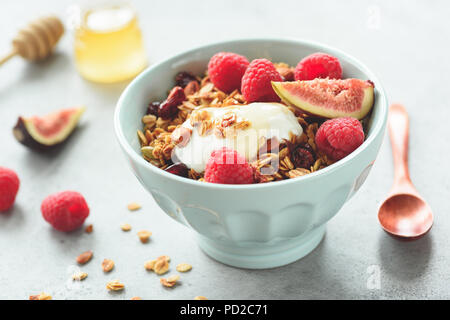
297, 157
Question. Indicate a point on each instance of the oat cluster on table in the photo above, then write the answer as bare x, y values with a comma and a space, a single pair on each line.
107, 265
85, 257
159, 265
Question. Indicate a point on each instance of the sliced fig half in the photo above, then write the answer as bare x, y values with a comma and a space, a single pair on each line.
328, 98
47, 131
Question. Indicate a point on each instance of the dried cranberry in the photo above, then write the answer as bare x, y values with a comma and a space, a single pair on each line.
183, 78
179, 169
308, 147
153, 108
302, 158
168, 108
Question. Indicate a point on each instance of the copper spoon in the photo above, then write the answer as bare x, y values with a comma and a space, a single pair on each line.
404, 213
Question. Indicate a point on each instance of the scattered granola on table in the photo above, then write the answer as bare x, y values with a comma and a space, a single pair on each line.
125, 227
41, 296
89, 228
79, 276
115, 285
144, 235
170, 281
160, 265
107, 265
184, 267
134, 206
85, 257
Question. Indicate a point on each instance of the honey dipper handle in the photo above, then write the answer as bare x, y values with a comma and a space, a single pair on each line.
7, 57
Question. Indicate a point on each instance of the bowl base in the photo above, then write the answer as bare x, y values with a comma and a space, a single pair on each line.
262, 255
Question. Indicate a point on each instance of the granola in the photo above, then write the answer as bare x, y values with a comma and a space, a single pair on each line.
279, 160
115, 285
136, 206
79, 276
85, 257
160, 265
125, 227
184, 267
170, 281
41, 296
144, 235
107, 265
89, 228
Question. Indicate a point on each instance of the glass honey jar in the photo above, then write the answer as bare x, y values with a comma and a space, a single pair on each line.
108, 43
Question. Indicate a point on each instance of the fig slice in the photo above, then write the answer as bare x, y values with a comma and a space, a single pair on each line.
48, 131
328, 98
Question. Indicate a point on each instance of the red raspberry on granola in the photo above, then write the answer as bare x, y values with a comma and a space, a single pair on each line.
256, 83
229, 167
225, 70
339, 137
318, 65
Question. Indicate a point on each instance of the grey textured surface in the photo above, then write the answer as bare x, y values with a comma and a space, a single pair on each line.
404, 42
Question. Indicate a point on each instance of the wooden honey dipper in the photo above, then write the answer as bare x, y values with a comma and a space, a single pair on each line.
37, 40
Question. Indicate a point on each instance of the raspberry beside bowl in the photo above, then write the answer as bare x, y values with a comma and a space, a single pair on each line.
251, 226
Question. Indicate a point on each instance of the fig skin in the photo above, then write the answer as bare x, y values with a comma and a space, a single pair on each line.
22, 134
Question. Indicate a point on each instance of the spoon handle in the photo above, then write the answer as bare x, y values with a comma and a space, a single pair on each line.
398, 124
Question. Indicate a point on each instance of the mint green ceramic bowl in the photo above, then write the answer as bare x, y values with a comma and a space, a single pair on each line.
250, 226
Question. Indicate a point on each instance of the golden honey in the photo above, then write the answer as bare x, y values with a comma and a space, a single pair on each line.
108, 44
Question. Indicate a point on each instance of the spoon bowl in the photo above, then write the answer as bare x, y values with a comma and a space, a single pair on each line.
405, 216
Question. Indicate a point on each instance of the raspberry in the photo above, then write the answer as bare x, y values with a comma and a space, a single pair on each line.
318, 65
225, 69
256, 83
9, 186
339, 137
229, 167
65, 211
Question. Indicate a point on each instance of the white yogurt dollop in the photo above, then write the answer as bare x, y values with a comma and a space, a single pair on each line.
268, 120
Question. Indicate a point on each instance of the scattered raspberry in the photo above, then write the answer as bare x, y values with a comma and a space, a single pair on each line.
339, 137
228, 167
256, 83
318, 65
225, 69
9, 186
65, 211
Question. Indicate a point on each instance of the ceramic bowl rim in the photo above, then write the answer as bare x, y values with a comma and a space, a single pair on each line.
377, 126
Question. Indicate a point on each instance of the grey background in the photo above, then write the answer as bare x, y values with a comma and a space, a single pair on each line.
404, 42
